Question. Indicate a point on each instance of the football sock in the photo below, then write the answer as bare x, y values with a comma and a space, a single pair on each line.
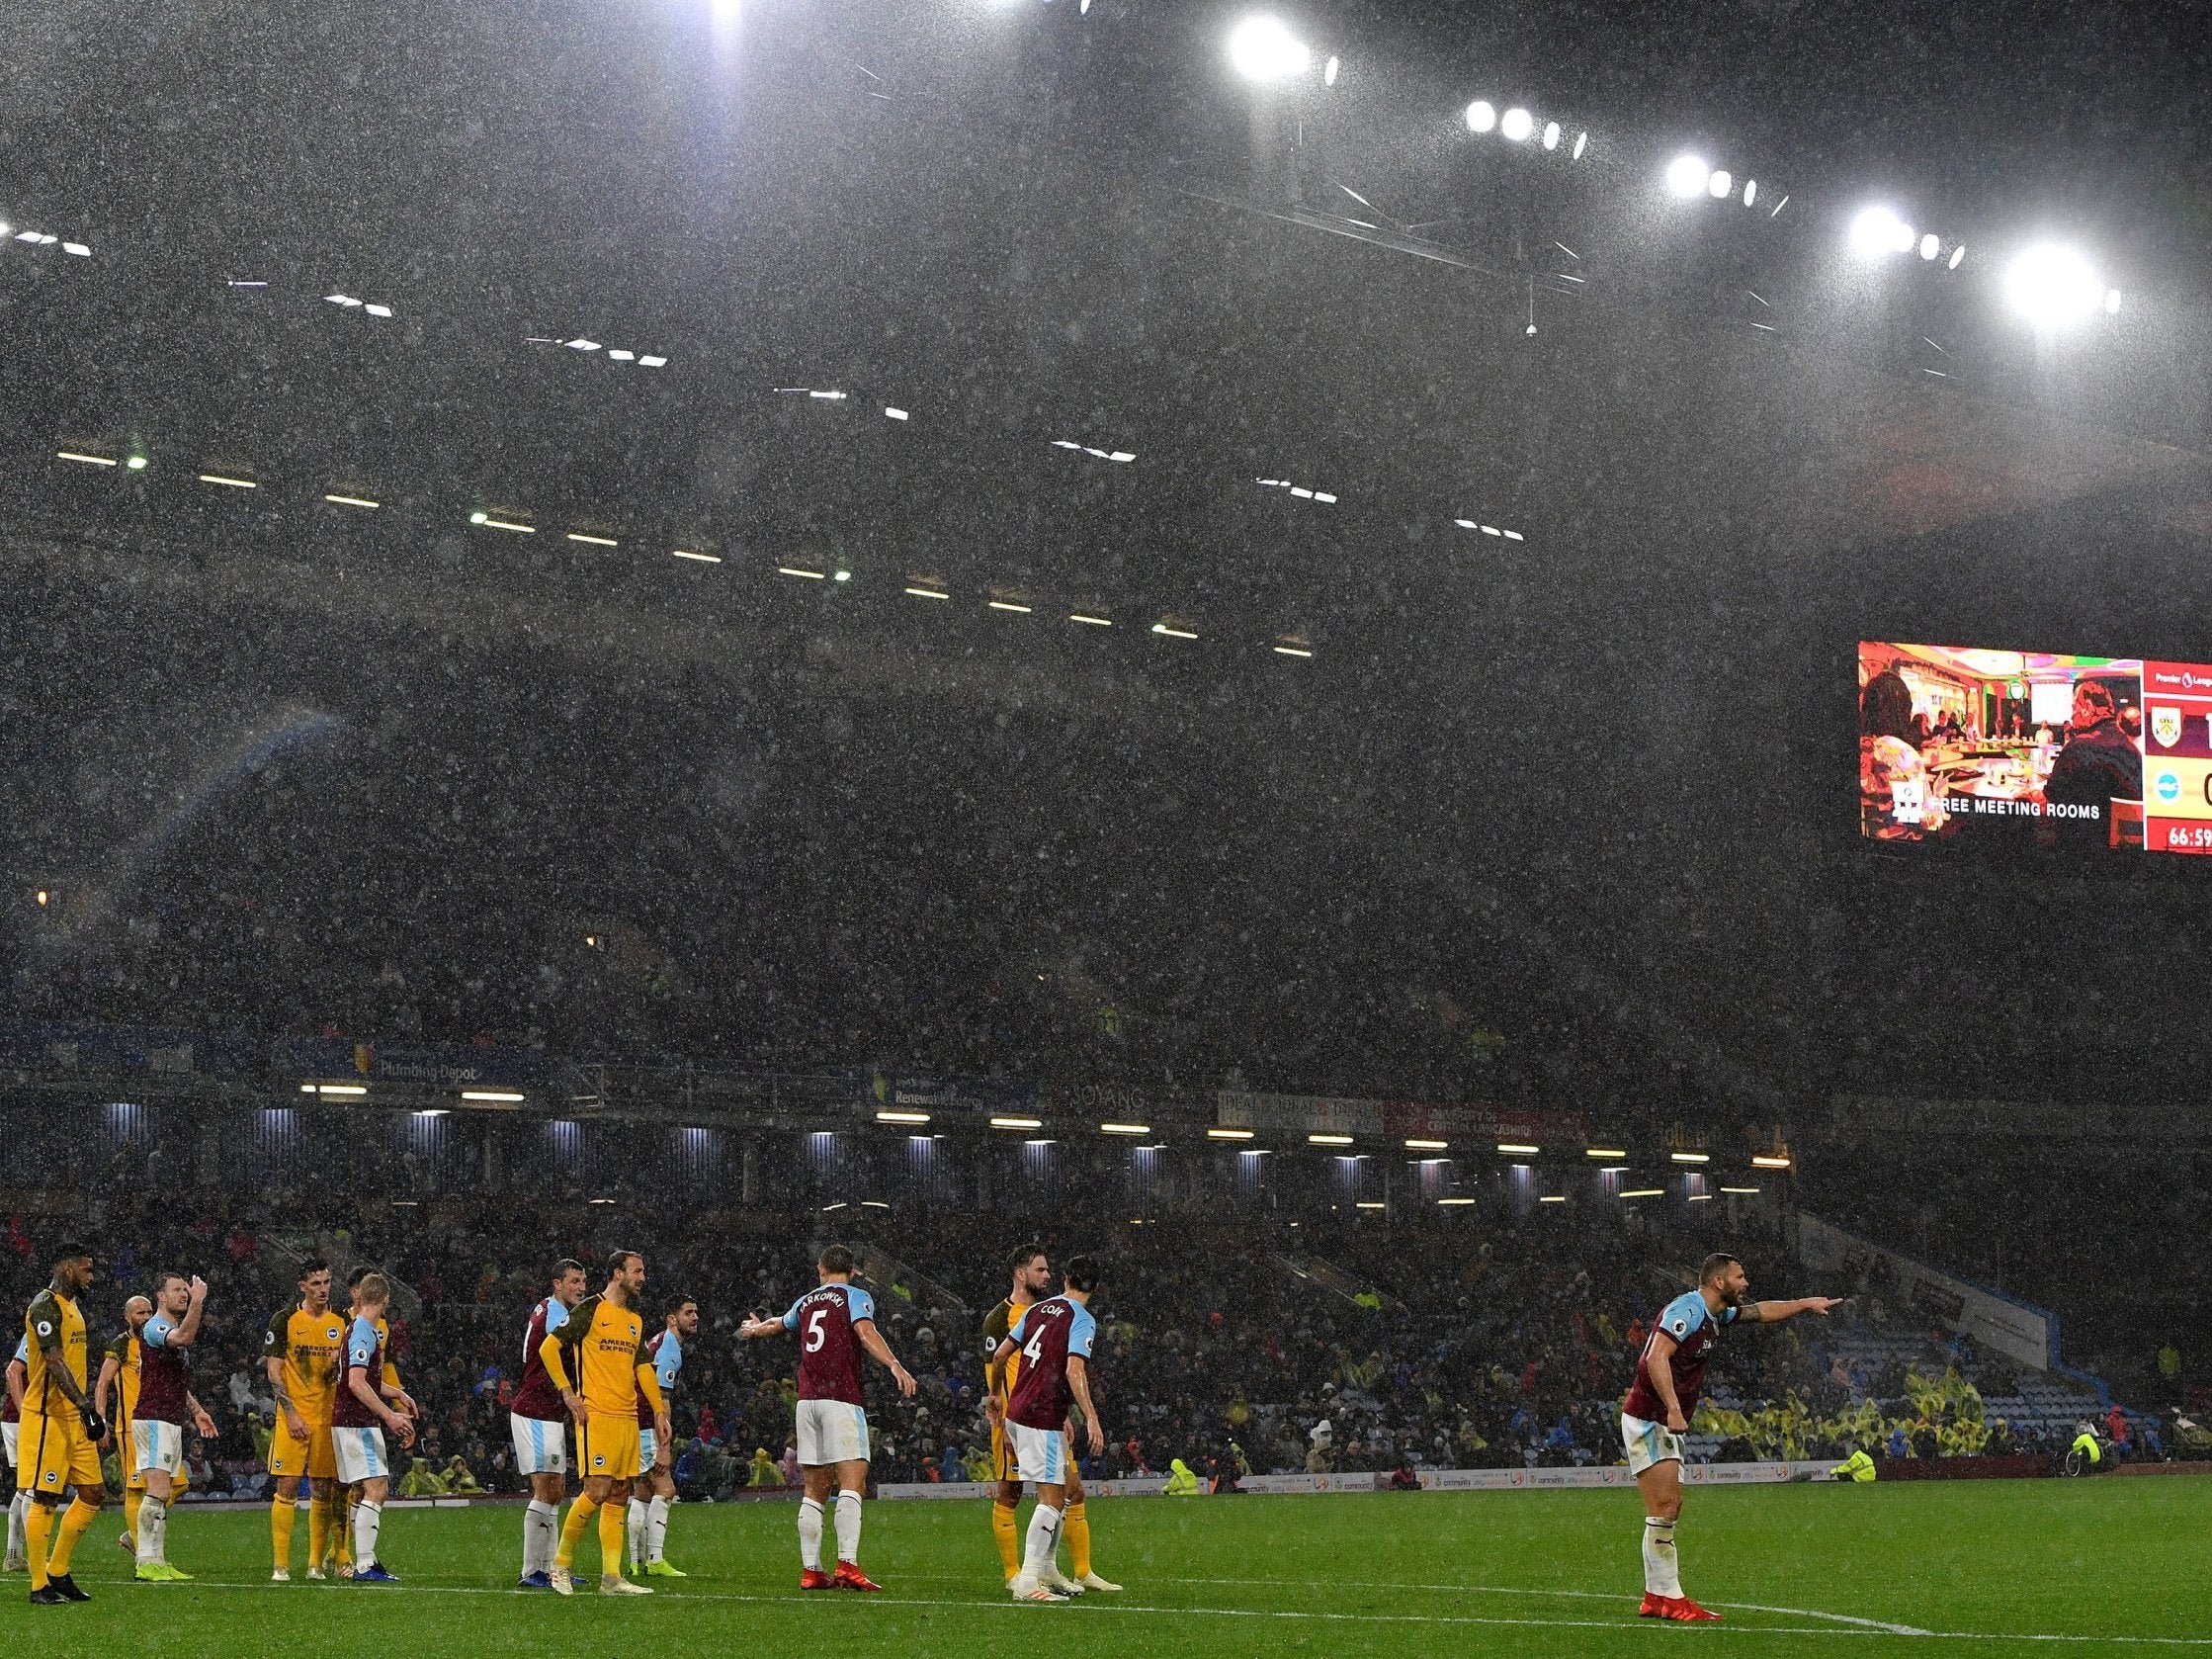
1044, 1540
809, 1534
38, 1529
656, 1528
280, 1512
1662, 1575
18, 1507
319, 1529
154, 1520
341, 1534
540, 1531
1006, 1529
130, 1501
633, 1530
75, 1519
848, 1526
609, 1541
366, 1519
572, 1529
1076, 1525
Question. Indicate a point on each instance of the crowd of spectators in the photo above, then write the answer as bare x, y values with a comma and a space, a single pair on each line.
1465, 1348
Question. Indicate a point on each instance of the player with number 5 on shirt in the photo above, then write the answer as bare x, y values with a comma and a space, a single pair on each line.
835, 1322
1054, 1337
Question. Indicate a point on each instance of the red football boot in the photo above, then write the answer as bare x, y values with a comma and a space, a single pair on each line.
849, 1577
1653, 1607
814, 1578
1687, 1612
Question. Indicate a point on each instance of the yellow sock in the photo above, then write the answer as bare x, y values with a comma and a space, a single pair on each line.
341, 1527
74, 1521
612, 1518
1005, 1527
38, 1529
573, 1531
132, 1499
319, 1529
1075, 1527
281, 1513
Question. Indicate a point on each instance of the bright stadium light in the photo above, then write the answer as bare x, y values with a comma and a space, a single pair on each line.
1581, 143
1481, 116
1263, 50
1516, 124
2049, 284
1877, 231
1930, 245
1328, 69
1750, 190
1720, 185
1551, 134
2111, 305
1957, 254
1687, 176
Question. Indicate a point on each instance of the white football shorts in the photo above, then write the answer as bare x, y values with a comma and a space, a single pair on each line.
541, 1445
831, 1432
1041, 1455
1648, 1444
156, 1445
359, 1453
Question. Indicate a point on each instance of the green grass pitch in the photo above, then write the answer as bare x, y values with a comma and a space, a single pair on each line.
1976, 1567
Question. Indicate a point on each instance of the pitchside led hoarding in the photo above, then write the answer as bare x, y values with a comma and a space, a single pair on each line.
1970, 744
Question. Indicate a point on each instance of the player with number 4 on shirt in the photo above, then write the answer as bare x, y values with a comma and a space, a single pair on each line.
1054, 1337
835, 1322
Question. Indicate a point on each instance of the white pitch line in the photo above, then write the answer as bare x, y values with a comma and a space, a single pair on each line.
1858, 1628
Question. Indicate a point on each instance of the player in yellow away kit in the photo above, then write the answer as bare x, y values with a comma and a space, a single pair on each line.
59, 1438
300, 1351
598, 1361
1032, 1282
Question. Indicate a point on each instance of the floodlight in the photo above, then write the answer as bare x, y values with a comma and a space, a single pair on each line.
1720, 185
1687, 176
1750, 190
1516, 124
1877, 231
1930, 245
1481, 118
1328, 69
1551, 134
1957, 254
1263, 50
2050, 283
1581, 143
2111, 308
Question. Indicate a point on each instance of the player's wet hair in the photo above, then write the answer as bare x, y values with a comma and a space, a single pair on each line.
162, 1278
312, 1265
566, 1265
1716, 1265
373, 1289
1081, 1273
677, 1304
835, 1258
621, 1259
70, 1251
1023, 1255
354, 1279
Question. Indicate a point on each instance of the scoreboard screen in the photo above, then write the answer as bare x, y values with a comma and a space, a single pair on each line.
1965, 743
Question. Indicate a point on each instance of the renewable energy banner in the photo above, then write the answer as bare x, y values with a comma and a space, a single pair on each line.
1972, 743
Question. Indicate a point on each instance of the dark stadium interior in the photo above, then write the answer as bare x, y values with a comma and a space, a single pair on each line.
1559, 825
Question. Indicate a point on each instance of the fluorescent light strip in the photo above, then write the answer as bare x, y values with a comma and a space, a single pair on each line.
795, 570
228, 483
79, 455
1090, 621
1605, 1152
1174, 632
701, 558
1740, 1191
1455, 1201
927, 593
896, 414
1370, 1204
512, 1096
490, 523
873, 1205
348, 1089
1328, 1140
1553, 1199
1646, 1192
1701, 1197
1008, 605
1764, 1162
1691, 1157
903, 1118
1292, 650
593, 541
1428, 1145
650, 361
352, 500
1017, 1123
1125, 1128
1229, 1134
1516, 1146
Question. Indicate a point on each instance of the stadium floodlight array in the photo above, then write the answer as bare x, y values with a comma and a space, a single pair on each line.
1689, 179
366, 307
587, 346
1517, 127
2049, 283
42, 240
1496, 530
1262, 49
1116, 455
1300, 491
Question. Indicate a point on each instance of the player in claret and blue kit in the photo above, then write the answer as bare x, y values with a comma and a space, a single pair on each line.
1054, 1337
1657, 1412
835, 1322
